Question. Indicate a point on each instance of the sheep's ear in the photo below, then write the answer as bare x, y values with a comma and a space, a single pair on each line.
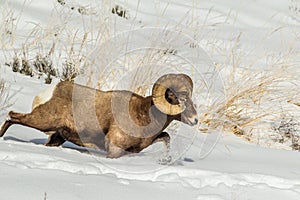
182, 97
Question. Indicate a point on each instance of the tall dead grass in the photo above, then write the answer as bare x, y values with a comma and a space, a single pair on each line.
258, 92
5, 98
64, 47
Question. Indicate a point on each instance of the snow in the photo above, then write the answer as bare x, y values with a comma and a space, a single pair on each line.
214, 166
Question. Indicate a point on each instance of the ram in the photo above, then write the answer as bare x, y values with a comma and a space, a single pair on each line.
117, 121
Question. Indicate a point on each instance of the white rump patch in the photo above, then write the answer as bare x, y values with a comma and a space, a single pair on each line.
43, 97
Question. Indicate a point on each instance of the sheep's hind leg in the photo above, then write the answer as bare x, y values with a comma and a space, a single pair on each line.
55, 140
165, 138
5, 126
13, 118
34, 120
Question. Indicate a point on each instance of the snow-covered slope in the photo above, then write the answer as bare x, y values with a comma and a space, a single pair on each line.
207, 166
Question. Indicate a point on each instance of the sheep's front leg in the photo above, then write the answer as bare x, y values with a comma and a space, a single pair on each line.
113, 151
165, 138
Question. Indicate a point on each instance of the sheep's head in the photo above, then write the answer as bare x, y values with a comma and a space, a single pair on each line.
172, 94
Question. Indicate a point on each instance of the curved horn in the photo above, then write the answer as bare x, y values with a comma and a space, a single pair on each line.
176, 83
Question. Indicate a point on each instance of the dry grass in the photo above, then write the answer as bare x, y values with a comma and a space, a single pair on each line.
257, 94
64, 48
251, 98
5, 98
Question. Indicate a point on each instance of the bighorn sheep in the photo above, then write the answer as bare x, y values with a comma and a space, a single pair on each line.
125, 122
